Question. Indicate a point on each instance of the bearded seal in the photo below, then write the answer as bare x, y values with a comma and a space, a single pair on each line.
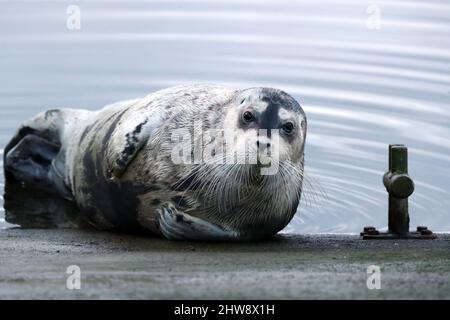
113, 169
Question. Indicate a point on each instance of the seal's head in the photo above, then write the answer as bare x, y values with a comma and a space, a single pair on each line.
257, 194
270, 126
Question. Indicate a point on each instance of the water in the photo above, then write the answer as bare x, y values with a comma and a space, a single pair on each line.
361, 87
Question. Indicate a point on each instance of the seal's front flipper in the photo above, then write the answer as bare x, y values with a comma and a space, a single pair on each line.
176, 225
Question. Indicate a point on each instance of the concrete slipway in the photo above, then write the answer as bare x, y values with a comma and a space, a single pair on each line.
33, 264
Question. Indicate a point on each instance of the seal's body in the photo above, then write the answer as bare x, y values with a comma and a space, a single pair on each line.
114, 169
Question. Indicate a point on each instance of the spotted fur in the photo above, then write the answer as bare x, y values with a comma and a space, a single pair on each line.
116, 164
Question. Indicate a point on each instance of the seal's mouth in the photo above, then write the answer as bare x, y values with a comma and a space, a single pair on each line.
264, 162
267, 163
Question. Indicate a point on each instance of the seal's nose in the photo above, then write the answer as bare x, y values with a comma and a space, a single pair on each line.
262, 145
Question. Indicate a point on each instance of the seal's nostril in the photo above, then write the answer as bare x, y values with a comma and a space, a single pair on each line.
268, 145
257, 143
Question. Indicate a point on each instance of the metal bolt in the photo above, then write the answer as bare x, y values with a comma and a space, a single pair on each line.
426, 232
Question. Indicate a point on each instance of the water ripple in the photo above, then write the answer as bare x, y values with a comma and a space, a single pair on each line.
361, 89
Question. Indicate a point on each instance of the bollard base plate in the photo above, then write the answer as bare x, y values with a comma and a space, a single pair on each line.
422, 233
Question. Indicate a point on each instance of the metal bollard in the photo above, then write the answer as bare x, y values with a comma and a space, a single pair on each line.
399, 186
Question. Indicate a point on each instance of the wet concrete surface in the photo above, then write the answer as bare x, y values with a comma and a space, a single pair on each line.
33, 265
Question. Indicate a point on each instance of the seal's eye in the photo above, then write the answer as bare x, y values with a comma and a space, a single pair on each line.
288, 127
248, 116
